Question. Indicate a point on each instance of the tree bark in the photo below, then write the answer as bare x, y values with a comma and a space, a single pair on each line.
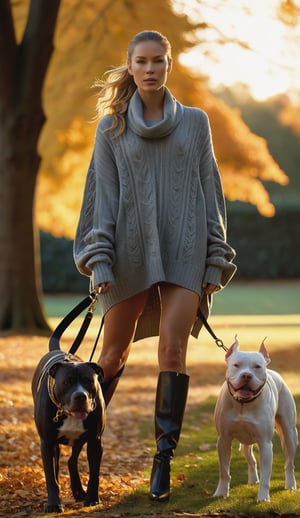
21, 121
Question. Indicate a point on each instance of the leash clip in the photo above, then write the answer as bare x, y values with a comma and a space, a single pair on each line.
220, 343
94, 297
58, 415
217, 340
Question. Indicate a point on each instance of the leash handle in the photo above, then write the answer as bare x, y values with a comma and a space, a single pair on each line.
89, 302
218, 341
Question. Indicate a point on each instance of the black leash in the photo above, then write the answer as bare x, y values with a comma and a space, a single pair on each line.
218, 341
97, 338
89, 302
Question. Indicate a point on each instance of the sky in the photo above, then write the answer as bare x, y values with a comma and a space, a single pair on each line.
272, 63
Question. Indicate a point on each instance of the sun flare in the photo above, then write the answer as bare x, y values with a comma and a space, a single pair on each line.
257, 50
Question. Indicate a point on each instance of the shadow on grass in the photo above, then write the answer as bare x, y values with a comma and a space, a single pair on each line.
194, 476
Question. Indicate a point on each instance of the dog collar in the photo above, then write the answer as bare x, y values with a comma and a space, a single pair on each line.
60, 356
256, 394
44, 372
60, 410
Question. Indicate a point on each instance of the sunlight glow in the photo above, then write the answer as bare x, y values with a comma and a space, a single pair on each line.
258, 50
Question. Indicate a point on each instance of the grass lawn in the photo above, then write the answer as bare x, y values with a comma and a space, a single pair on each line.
259, 298
239, 298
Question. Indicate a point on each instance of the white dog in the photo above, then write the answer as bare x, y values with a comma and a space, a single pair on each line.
252, 403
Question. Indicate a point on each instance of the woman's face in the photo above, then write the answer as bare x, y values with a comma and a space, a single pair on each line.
149, 66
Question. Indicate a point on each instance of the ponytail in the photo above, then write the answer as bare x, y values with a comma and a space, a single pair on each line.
114, 94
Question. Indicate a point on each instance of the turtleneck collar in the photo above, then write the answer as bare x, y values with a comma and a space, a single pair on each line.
172, 115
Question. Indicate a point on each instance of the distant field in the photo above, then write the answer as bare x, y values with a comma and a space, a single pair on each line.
239, 298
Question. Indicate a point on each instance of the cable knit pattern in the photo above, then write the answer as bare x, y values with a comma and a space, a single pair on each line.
153, 210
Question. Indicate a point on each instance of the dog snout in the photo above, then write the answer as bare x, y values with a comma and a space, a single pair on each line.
80, 397
246, 376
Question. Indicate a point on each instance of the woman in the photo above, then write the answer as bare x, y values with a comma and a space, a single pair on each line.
151, 234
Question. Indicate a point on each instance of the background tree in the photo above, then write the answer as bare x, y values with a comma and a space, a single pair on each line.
23, 67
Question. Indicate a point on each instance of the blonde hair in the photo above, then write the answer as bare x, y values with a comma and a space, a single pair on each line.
118, 86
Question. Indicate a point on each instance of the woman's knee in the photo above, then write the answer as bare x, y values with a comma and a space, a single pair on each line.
112, 361
119, 328
172, 356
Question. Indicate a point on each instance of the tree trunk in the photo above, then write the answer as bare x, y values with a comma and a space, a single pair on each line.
20, 279
21, 121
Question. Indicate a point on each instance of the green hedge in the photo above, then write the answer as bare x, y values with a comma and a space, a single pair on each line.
59, 273
267, 248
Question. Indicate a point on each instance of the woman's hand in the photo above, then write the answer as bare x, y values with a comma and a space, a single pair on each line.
102, 288
210, 288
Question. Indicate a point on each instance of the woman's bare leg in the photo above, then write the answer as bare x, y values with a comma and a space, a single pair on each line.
119, 328
178, 312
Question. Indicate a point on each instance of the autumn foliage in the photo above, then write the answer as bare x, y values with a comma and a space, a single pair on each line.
22, 479
89, 41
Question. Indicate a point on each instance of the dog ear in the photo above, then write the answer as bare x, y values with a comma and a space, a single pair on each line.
233, 348
264, 352
98, 370
54, 368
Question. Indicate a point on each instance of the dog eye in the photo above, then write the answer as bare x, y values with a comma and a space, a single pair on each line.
69, 381
236, 365
87, 381
257, 366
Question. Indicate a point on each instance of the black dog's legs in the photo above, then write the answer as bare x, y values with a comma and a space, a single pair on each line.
50, 456
76, 486
94, 455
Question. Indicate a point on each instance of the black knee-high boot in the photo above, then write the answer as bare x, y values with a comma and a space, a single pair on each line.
171, 395
108, 387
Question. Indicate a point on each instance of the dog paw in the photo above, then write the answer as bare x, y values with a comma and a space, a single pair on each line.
53, 508
263, 499
79, 496
91, 503
290, 484
218, 494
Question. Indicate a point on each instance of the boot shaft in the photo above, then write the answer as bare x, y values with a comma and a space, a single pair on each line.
171, 396
108, 387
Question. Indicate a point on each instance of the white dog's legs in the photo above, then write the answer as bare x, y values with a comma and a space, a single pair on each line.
224, 452
247, 452
266, 460
289, 439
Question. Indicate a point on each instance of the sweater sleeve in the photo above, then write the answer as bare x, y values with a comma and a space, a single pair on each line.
94, 244
219, 266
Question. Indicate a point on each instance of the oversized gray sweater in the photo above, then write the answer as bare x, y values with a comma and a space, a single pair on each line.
153, 210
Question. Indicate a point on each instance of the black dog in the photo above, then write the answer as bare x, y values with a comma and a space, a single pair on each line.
69, 409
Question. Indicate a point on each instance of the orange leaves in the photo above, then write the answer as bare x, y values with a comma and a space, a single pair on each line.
290, 115
246, 189
243, 157
22, 480
246, 153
